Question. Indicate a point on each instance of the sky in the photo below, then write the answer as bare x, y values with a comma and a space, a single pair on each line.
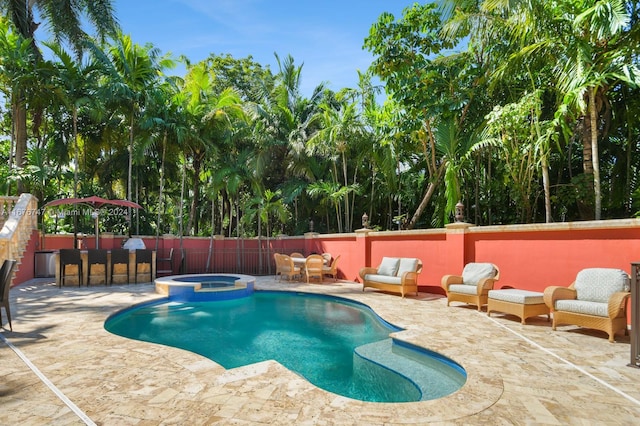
325, 36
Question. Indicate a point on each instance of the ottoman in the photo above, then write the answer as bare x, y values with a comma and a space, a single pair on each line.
521, 303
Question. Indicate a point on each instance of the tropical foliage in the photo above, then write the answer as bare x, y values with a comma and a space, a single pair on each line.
524, 111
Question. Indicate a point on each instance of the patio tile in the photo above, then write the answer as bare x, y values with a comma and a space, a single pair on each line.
516, 374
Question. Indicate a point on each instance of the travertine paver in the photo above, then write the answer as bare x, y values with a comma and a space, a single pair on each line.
517, 374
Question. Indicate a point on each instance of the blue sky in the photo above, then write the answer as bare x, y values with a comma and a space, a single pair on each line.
326, 35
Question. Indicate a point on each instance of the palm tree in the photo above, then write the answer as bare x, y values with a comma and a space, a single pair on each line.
16, 69
65, 24
340, 128
133, 70
212, 116
284, 124
74, 87
589, 44
596, 62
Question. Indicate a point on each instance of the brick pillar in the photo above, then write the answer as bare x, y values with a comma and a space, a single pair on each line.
362, 253
457, 255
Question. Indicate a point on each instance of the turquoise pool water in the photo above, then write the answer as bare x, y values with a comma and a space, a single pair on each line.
315, 336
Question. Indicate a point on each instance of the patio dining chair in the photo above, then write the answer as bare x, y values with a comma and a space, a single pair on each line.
332, 270
70, 257
313, 267
286, 267
5, 286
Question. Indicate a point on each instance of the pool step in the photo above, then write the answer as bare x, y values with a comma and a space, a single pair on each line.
434, 375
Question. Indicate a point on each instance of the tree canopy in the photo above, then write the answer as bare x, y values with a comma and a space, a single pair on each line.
523, 111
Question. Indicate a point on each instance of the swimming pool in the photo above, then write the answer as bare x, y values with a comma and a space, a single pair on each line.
338, 345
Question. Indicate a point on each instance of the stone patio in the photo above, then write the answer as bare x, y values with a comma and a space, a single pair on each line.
59, 366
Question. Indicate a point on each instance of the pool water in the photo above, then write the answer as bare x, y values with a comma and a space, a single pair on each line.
210, 281
315, 336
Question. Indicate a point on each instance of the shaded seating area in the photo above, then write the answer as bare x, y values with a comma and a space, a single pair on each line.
5, 285
473, 285
394, 274
597, 299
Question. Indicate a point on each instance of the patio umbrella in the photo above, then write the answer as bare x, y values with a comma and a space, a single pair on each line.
95, 203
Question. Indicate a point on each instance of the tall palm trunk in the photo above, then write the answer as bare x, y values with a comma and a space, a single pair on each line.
347, 215
594, 152
193, 218
130, 170
161, 190
546, 188
425, 199
76, 155
19, 110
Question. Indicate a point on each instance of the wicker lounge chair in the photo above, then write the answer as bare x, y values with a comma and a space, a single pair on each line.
596, 299
472, 287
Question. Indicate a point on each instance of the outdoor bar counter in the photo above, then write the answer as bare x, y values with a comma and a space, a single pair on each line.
146, 272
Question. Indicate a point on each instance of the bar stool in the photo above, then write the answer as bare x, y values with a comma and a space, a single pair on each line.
69, 257
164, 265
96, 257
119, 257
144, 258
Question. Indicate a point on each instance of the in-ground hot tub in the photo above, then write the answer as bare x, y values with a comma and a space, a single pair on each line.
205, 287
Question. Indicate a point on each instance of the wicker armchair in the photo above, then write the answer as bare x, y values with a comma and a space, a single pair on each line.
333, 269
285, 266
313, 267
472, 287
597, 299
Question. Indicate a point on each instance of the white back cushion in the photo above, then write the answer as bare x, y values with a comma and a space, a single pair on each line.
474, 272
598, 284
407, 264
389, 266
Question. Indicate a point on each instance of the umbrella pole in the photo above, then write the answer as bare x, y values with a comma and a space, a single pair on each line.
95, 215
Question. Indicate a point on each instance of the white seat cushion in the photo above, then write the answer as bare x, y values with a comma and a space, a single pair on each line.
514, 295
463, 288
389, 266
583, 307
384, 279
